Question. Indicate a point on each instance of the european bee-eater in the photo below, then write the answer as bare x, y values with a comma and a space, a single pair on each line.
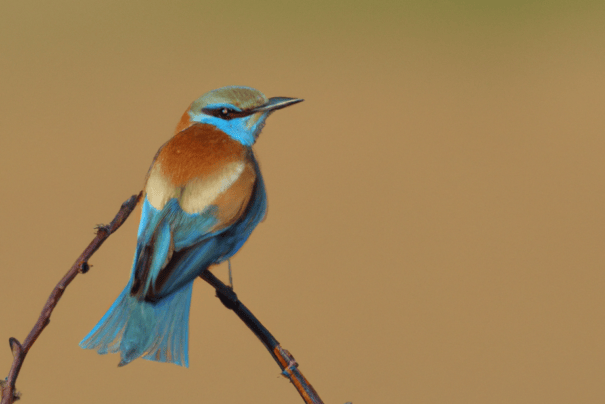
203, 196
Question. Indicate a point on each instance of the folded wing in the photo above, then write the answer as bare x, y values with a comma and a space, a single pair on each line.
187, 218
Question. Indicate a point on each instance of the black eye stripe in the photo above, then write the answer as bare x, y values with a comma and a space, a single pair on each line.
225, 113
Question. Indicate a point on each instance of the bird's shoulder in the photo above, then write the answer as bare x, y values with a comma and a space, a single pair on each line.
199, 150
202, 166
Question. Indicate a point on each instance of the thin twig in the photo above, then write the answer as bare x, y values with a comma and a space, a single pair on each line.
283, 358
9, 394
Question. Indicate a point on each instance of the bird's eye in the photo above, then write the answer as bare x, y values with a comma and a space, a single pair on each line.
222, 112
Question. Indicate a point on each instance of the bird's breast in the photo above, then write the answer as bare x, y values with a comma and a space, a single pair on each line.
202, 166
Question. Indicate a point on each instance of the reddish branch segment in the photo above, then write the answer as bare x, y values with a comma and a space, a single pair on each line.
290, 371
283, 358
9, 394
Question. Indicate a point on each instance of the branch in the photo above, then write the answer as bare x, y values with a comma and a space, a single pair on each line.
283, 358
226, 294
9, 394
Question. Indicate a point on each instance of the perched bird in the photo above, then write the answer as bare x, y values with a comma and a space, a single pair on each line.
203, 196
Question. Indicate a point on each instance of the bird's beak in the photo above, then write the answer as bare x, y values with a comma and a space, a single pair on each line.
276, 103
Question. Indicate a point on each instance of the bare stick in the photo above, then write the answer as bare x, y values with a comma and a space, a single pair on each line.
283, 358
9, 394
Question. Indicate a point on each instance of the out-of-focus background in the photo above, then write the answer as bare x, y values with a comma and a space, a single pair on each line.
436, 227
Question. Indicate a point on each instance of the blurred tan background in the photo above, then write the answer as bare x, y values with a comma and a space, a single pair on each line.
436, 223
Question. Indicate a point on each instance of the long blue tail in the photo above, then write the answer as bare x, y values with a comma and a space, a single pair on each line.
155, 331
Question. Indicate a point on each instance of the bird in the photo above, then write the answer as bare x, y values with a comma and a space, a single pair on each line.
203, 196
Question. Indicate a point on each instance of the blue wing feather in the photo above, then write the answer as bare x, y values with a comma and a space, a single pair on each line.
173, 248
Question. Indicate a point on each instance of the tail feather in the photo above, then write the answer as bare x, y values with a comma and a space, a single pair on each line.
155, 331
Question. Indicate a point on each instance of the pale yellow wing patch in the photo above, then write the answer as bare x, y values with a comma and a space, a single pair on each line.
200, 193
159, 189
228, 189
232, 203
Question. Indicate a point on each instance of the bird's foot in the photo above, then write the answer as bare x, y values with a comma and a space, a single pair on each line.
228, 297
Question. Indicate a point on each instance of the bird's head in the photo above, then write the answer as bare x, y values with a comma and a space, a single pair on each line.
238, 111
